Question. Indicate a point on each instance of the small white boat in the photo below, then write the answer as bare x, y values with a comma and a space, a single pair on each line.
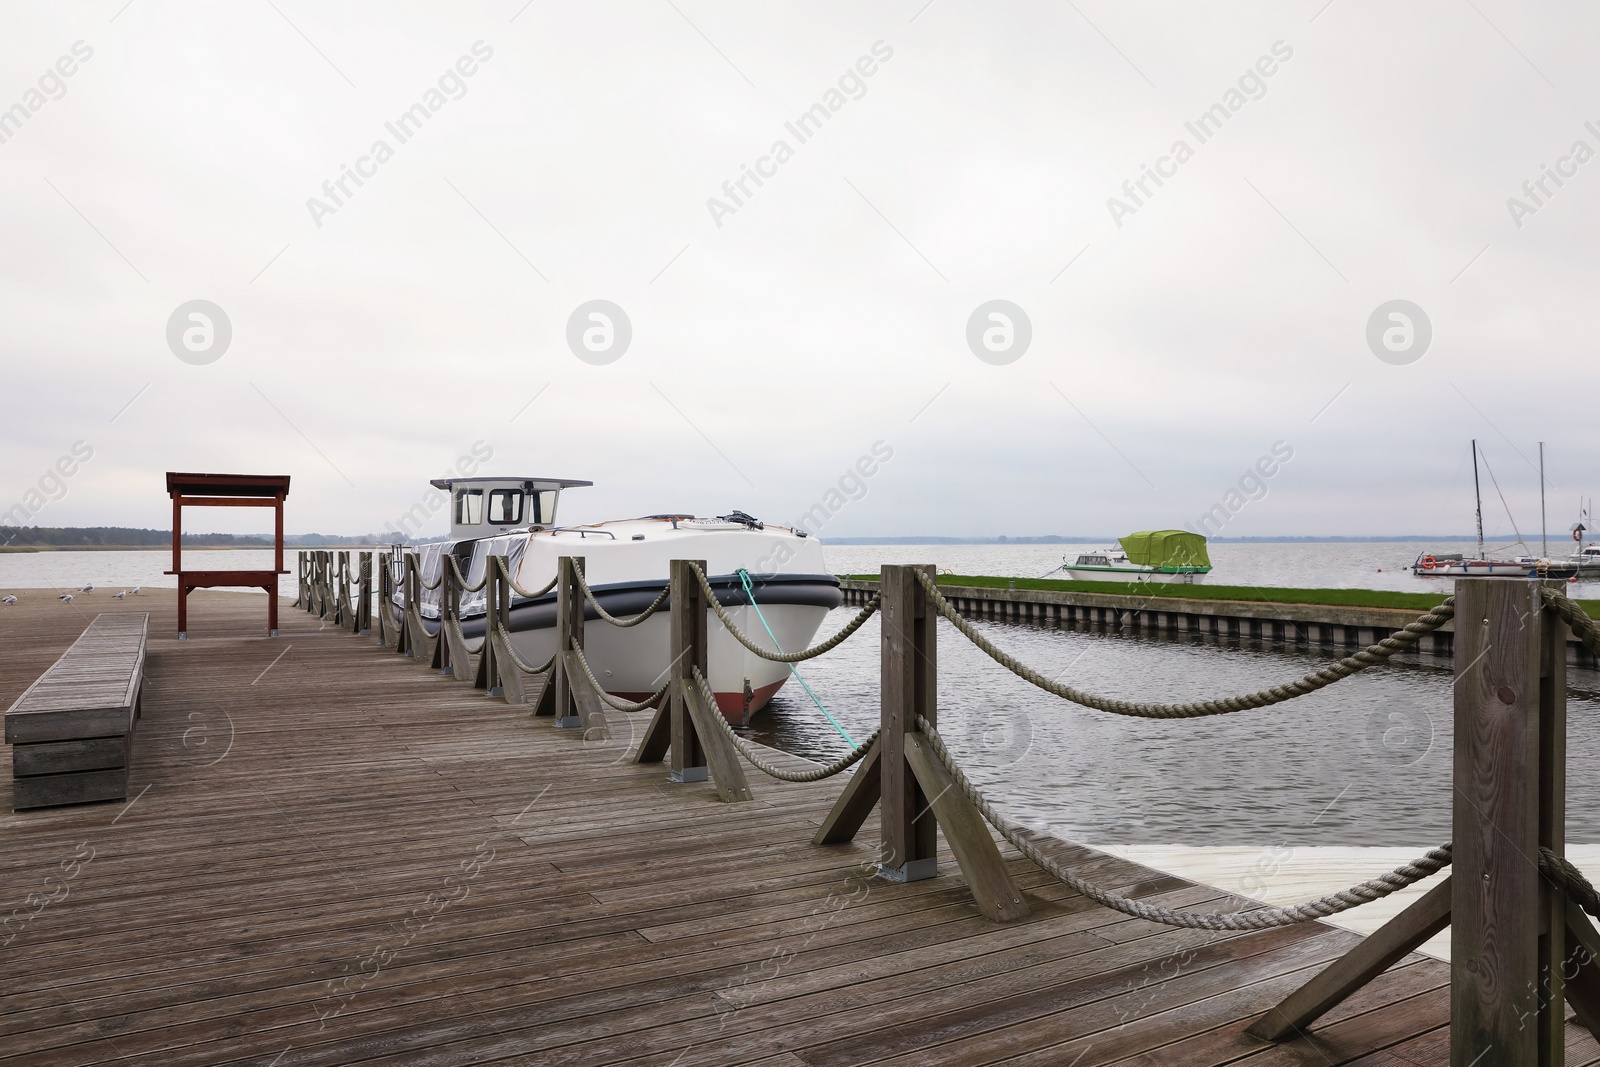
1456, 565
626, 565
1175, 556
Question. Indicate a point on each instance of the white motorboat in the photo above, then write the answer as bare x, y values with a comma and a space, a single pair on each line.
778, 569
1148, 556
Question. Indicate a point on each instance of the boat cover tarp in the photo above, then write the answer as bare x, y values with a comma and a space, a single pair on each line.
1166, 548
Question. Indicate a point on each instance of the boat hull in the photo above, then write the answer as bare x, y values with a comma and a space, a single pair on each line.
1136, 574
631, 663
626, 563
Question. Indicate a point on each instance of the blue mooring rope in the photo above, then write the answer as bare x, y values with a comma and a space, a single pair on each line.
750, 593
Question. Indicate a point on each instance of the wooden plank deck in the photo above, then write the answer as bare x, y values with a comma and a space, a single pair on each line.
332, 855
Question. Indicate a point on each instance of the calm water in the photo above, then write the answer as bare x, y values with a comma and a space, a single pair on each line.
1365, 762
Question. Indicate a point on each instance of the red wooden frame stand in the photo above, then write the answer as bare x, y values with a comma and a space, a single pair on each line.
227, 491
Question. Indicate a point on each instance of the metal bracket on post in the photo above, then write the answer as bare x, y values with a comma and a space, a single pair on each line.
569, 634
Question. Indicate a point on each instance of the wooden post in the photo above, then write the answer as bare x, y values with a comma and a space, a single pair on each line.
916, 794
1496, 907
688, 649
569, 635
385, 600
683, 723
341, 587
1553, 945
908, 679
364, 606
1512, 963
416, 633
454, 660
485, 678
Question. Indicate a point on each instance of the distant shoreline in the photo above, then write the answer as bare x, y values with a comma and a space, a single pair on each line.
1053, 540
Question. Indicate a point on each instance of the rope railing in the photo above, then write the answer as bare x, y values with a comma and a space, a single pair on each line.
784, 657
1565, 874
461, 580
1586, 629
655, 605
524, 592
520, 663
754, 758
616, 702
449, 619
1370, 656
1406, 874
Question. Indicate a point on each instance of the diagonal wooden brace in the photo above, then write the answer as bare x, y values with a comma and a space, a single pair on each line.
996, 895
861, 794
1582, 969
721, 758
1377, 953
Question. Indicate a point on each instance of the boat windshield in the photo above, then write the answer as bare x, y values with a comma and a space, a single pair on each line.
505, 507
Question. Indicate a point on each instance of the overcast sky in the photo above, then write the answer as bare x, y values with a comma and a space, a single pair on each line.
777, 337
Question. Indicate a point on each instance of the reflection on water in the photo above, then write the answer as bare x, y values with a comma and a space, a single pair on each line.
1366, 761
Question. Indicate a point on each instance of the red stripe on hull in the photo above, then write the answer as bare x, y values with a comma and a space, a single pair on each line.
730, 704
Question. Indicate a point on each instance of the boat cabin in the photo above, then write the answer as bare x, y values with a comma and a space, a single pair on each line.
485, 507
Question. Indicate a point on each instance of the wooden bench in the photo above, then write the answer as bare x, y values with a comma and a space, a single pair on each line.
72, 731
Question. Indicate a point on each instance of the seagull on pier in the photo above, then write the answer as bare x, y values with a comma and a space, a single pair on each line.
10, 598
65, 598
135, 590
86, 589
119, 596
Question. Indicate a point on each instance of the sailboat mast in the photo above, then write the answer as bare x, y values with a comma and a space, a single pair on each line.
1544, 534
1477, 496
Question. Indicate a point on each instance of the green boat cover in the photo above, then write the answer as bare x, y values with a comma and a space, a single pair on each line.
1166, 548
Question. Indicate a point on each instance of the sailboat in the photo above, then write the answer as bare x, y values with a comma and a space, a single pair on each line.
1458, 565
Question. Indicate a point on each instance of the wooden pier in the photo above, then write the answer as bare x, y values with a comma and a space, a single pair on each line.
331, 854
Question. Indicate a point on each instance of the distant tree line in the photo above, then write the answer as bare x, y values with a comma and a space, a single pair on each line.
128, 537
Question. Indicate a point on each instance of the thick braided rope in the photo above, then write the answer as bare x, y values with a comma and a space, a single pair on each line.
461, 581
517, 589
1587, 630
785, 657
520, 663
615, 702
423, 582
1561, 871
1261, 919
455, 629
612, 619
753, 757
1344, 668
